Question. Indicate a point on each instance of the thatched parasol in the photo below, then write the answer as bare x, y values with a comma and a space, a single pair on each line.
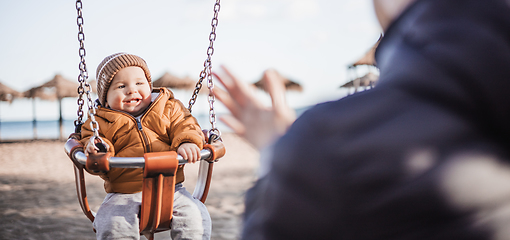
369, 57
289, 84
171, 81
55, 89
367, 81
8, 94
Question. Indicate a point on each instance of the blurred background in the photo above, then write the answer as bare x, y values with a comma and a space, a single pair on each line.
312, 43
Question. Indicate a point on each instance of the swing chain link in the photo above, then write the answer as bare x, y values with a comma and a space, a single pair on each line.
207, 73
84, 86
82, 66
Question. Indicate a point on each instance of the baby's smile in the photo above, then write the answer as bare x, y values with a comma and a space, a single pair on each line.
135, 100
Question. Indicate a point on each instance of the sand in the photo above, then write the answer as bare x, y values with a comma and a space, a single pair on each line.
38, 196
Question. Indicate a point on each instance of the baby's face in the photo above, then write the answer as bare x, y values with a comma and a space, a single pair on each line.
129, 91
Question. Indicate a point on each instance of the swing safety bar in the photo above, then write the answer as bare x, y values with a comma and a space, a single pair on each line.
134, 162
210, 154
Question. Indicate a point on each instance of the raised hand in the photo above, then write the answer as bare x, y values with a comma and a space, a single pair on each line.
258, 124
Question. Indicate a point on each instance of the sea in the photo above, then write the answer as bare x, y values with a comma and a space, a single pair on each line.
50, 129
16, 118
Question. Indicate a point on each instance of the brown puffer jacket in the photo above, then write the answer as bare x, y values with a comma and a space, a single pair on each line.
163, 127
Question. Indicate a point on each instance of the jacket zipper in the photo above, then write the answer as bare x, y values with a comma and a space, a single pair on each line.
145, 141
139, 126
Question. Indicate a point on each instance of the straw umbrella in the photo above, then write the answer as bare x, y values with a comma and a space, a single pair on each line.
7, 94
55, 89
289, 84
369, 57
366, 60
368, 81
171, 81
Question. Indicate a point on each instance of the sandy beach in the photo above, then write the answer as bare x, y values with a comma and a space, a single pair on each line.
38, 197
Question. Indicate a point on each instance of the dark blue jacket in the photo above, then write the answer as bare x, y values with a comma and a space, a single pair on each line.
400, 161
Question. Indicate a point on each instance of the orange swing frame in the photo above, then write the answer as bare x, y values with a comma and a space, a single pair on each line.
158, 181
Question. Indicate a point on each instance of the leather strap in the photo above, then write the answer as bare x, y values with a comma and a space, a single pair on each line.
158, 192
72, 145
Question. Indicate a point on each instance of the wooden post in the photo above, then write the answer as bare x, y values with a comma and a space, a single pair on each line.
60, 119
34, 127
0, 129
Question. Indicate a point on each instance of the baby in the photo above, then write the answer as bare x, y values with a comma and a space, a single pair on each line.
134, 119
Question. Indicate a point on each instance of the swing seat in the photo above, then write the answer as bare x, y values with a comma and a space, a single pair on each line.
159, 168
158, 180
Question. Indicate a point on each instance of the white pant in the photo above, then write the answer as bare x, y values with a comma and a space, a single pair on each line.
117, 217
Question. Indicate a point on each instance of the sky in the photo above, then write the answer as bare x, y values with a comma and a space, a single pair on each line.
309, 41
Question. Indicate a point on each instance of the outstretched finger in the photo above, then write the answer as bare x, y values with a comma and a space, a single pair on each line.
228, 80
235, 83
227, 100
224, 80
234, 124
241, 92
275, 86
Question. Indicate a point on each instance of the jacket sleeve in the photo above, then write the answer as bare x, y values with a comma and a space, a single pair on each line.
87, 133
183, 127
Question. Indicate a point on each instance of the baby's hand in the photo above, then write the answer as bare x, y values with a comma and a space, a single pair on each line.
92, 149
189, 151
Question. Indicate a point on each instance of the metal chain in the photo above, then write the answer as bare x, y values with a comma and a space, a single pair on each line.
84, 86
206, 73
82, 66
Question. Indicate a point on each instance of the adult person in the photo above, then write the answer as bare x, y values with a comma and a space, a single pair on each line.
423, 155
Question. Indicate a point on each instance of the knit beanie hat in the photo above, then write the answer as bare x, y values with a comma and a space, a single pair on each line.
111, 65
